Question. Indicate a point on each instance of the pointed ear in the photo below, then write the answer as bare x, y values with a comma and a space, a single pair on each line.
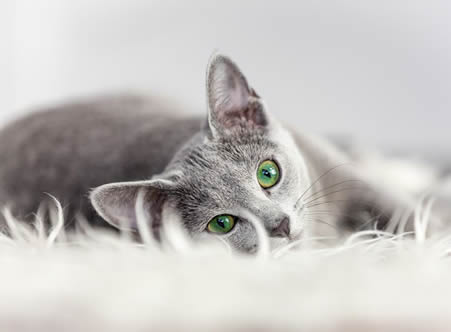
232, 103
116, 202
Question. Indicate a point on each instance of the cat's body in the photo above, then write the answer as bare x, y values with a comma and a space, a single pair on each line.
66, 151
198, 168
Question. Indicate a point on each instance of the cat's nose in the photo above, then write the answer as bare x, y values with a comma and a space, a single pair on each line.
282, 229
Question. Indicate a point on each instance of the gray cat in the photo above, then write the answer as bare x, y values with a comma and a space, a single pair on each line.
209, 173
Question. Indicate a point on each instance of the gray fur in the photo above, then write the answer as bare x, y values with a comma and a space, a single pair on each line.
199, 168
66, 151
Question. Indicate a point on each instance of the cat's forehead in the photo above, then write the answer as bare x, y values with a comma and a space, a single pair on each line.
220, 173
249, 147
228, 153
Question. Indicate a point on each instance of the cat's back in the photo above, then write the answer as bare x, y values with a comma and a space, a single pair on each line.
67, 150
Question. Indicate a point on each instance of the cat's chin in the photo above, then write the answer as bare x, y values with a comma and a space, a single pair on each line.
278, 242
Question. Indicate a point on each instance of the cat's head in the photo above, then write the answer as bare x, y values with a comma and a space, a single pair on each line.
243, 162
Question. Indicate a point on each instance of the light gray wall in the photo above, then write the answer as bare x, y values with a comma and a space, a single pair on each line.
7, 89
380, 70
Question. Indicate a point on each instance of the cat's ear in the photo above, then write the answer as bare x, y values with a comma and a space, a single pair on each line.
231, 102
117, 202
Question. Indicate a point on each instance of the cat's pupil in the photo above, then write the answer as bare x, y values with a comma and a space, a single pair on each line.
221, 223
266, 173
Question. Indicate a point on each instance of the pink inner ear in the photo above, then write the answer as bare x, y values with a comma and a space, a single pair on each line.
234, 103
229, 90
238, 94
250, 117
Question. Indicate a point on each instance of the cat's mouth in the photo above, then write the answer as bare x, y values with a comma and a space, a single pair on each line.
297, 225
277, 243
296, 236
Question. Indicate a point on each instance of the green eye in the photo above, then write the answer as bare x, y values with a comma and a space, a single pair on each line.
268, 174
221, 224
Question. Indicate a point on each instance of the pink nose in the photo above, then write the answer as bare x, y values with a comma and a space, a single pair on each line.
283, 229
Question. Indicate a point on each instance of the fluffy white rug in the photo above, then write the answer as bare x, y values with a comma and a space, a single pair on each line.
92, 281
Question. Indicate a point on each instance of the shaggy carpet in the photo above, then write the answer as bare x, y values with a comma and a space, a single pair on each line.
98, 281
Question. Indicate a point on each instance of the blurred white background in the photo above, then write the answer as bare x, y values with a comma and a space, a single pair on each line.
377, 70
